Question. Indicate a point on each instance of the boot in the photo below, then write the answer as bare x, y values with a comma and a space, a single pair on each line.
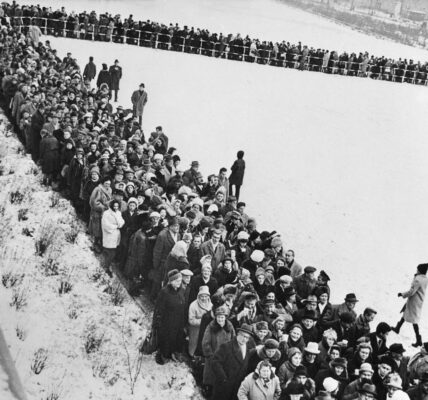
418, 341
397, 328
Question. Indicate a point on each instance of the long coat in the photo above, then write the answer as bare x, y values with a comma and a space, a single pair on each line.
98, 202
116, 75
229, 368
37, 122
90, 71
196, 313
237, 175
138, 255
217, 255
49, 155
104, 77
111, 222
213, 337
169, 320
163, 246
415, 299
139, 100
254, 388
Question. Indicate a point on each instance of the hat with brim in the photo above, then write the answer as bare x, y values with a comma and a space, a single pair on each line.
397, 348
186, 272
245, 328
368, 388
312, 348
351, 298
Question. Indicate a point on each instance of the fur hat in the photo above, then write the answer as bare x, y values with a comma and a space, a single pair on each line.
339, 362
271, 344
330, 384
174, 275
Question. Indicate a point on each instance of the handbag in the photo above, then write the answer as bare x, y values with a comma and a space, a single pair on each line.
150, 344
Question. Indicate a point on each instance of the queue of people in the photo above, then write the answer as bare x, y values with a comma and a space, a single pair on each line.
106, 27
229, 298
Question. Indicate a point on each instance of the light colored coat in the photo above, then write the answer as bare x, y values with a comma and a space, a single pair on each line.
196, 312
415, 299
111, 222
139, 100
253, 388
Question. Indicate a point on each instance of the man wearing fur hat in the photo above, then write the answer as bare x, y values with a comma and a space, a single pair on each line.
267, 351
365, 375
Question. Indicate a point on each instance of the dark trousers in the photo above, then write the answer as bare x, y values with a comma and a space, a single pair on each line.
109, 255
237, 191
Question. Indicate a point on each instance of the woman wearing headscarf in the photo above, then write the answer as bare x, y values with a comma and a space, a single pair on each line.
262, 384
197, 309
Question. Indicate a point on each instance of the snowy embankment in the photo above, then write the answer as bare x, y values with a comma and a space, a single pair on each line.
73, 332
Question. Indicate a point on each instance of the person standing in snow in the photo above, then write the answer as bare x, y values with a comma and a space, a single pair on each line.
116, 75
104, 77
237, 176
139, 100
90, 70
415, 299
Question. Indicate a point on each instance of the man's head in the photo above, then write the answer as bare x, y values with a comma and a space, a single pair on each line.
244, 334
382, 330
351, 301
369, 314
216, 235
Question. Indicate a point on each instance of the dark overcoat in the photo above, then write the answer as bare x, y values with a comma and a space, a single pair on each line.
237, 175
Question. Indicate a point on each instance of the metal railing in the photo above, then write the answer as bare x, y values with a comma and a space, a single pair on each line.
219, 49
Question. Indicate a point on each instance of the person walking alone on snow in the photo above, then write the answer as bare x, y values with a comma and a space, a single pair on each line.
139, 100
116, 75
237, 176
415, 299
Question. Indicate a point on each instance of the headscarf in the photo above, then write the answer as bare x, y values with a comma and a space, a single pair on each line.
179, 251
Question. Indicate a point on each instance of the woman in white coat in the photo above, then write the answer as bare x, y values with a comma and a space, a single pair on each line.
415, 300
111, 222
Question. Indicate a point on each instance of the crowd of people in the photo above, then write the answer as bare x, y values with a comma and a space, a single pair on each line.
233, 300
106, 27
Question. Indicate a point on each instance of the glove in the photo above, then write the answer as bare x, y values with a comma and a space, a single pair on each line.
400, 295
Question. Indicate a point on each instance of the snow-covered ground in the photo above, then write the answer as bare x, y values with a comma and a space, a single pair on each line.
336, 164
64, 326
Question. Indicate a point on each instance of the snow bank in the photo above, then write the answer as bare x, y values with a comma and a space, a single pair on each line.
82, 332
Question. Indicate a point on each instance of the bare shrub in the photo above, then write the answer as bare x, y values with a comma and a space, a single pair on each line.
28, 231
21, 333
16, 197
10, 278
19, 298
116, 292
93, 339
39, 361
65, 286
54, 199
45, 238
101, 367
22, 214
133, 365
72, 233
50, 267
52, 395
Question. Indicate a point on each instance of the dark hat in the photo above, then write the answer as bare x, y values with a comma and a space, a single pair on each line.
323, 395
310, 314
320, 290
309, 269
422, 268
231, 198
262, 325
301, 371
339, 362
388, 360
289, 291
311, 299
229, 289
269, 253
194, 164
267, 302
271, 344
294, 387
347, 318
324, 275
383, 327
351, 297
173, 275
250, 296
368, 388
397, 348
245, 328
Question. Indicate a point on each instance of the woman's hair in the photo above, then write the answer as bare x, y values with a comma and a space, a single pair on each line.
105, 179
112, 203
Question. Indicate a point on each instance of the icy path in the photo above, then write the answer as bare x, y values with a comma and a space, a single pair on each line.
265, 19
338, 165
